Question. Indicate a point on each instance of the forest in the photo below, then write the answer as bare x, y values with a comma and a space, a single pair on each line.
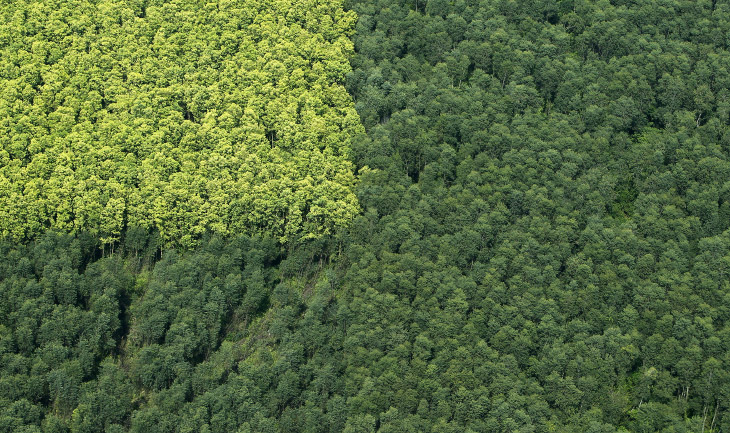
361, 216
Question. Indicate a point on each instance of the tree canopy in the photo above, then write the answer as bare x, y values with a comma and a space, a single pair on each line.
184, 117
539, 237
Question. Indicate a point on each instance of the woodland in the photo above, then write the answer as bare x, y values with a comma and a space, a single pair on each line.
361, 216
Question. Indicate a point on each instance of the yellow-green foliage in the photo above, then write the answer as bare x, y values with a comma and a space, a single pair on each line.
183, 115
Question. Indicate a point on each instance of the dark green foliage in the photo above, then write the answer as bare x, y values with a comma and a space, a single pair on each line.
542, 186
84, 344
58, 325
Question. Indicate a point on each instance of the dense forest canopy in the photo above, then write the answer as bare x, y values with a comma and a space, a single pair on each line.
538, 238
185, 117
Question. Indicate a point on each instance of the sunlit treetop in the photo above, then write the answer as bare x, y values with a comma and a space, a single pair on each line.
180, 116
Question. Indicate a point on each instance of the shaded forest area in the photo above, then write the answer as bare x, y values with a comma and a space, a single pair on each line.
543, 245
